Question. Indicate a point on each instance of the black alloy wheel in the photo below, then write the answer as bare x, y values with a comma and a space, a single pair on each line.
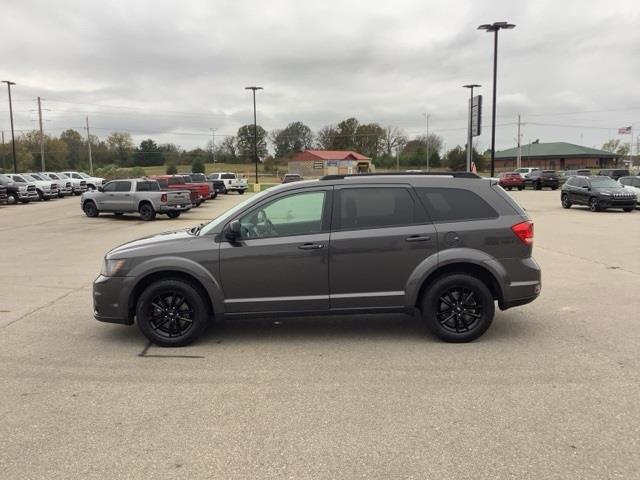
565, 201
458, 308
147, 213
12, 198
90, 209
171, 313
594, 205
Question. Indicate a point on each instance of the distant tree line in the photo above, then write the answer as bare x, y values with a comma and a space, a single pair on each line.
387, 146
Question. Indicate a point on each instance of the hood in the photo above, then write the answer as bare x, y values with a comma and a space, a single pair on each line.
612, 190
127, 249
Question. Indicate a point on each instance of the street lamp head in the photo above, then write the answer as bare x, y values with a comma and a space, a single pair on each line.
472, 85
495, 26
8, 82
253, 88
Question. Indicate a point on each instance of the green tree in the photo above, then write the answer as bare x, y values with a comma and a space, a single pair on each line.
172, 169
393, 139
121, 146
369, 140
456, 159
345, 138
245, 142
197, 166
148, 154
326, 137
76, 148
227, 151
295, 137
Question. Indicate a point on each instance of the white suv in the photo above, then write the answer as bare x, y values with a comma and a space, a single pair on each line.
231, 181
525, 172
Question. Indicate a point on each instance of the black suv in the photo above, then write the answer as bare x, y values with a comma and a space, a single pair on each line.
543, 178
448, 246
614, 173
598, 192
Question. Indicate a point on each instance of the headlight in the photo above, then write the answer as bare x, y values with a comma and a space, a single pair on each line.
605, 194
111, 268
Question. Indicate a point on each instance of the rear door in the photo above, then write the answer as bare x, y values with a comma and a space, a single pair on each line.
379, 235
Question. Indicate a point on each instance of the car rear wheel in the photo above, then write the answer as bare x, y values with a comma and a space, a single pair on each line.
594, 205
147, 213
565, 201
90, 209
171, 313
520, 188
458, 308
173, 214
241, 192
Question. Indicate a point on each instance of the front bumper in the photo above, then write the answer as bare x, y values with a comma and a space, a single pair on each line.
28, 195
607, 202
111, 300
49, 193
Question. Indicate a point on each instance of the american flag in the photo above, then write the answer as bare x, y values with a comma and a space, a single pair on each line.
624, 130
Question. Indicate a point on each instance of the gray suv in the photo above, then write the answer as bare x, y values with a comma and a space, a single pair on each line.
447, 246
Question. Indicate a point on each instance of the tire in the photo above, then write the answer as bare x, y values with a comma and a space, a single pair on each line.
215, 194
147, 213
564, 199
118, 214
173, 214
554, 188
77, 193
476, 317
163, 309
538, 186
520, 189
90, 209
594, 205
12, 198
628, 209
240, 192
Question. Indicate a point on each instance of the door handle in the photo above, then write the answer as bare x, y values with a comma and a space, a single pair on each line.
418, 238
311, 246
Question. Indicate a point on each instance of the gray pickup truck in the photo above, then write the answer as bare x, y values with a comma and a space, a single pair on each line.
135, 195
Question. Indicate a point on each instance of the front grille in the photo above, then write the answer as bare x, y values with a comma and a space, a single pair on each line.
83, 183
68, 184
31, 188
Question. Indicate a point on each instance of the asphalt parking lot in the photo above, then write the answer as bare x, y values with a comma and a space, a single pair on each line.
550, 391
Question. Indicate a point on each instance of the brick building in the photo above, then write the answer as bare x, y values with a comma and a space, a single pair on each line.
556, 156
315, 163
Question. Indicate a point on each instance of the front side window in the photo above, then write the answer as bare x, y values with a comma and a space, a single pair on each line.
373, 208
176, 181
75, 175
109, 187
454, 204
296, 214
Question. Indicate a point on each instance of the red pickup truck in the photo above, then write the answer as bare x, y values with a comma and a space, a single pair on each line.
199, 191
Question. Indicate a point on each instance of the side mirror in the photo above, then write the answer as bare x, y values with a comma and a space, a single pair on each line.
234, 231
586, 187
100, 189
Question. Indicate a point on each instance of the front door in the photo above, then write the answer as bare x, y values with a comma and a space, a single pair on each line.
120, 200
280, 263
379, 235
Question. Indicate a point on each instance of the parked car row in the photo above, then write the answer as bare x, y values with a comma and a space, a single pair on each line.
44, 186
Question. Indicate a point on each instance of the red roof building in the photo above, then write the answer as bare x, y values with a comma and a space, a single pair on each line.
315, 163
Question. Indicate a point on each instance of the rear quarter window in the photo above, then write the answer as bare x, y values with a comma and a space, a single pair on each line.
454, 204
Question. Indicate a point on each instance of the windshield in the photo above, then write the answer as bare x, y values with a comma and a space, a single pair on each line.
232, 211
36, 176
18, 178
61, 176
604, 182
4, 178
54, 176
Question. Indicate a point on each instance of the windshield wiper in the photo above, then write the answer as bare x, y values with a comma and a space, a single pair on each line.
196, 229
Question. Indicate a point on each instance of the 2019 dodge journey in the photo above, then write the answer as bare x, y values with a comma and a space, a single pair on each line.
447, 246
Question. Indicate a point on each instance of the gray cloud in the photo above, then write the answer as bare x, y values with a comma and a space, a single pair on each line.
180, 68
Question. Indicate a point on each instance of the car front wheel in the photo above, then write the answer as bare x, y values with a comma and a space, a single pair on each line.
458, 308
628, 209
171, 313
90, 209
12, 198
594, 205
565, 201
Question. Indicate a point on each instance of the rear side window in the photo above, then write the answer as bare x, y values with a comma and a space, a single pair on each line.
374, 208
147, 187
163, 183
227, 176
454, 204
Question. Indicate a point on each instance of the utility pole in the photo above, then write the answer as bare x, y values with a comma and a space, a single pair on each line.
213, 144
13, 138
89, 145
519, 160
255, 129
42, 163
426, 117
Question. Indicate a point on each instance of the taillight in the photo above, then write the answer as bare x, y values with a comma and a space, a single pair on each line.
524, 231
163, 198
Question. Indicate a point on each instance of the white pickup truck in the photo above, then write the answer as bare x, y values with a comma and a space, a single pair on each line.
232, 183
135, 195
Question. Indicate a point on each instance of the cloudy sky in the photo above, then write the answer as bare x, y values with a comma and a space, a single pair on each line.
173, 70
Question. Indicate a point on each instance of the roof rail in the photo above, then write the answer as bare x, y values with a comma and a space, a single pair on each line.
404, 174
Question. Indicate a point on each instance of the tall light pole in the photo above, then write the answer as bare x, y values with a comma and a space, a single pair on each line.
469, 135
426, 119
13, 138
495, 27
213, 144
255, 129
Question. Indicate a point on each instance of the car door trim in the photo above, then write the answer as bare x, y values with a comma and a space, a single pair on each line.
399, 293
